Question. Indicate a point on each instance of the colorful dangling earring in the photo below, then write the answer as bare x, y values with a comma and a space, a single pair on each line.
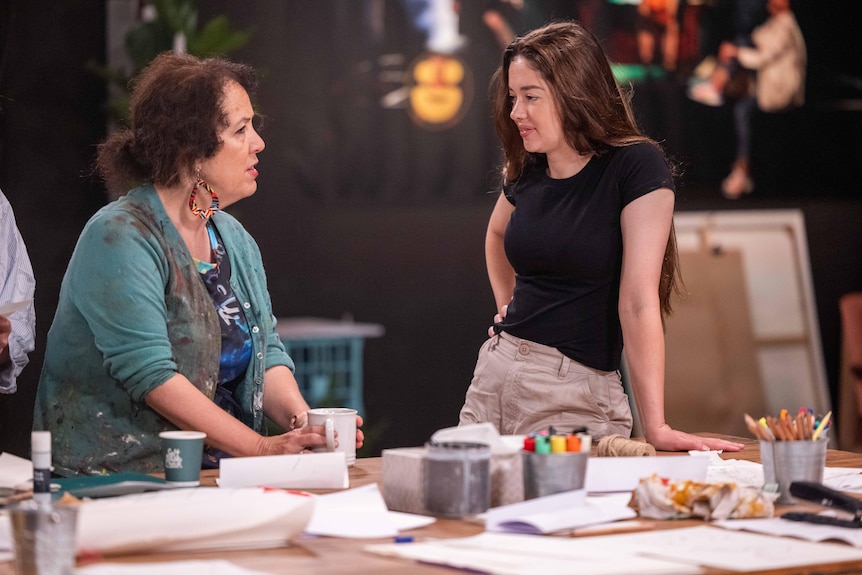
202, 213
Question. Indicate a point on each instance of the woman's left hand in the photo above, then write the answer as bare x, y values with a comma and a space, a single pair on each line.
665, 438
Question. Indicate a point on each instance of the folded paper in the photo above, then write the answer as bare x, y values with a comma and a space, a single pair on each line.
359, 513
561, 511
613, 474
301, 471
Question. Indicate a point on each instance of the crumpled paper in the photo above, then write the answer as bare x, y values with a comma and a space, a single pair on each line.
661, 498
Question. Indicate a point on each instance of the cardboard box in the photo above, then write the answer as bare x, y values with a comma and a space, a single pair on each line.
402, 479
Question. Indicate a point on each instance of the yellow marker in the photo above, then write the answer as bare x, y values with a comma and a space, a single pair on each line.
558, 444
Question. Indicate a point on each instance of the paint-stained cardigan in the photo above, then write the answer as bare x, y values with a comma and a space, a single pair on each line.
133, 312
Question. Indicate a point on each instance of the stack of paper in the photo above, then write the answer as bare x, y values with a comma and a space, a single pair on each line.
192, 519
667, 551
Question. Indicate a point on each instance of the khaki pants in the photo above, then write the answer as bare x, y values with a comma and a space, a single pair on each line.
521, 386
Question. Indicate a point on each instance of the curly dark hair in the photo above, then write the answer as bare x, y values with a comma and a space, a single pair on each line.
175, 116
595, 110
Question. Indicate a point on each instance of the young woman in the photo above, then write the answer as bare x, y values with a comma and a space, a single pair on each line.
580, 251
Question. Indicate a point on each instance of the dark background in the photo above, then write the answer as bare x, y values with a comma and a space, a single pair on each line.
361, 212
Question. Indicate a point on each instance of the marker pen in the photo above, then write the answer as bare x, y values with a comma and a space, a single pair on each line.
558, 444
542, 444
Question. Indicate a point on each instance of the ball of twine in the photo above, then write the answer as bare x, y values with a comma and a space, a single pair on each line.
618, 446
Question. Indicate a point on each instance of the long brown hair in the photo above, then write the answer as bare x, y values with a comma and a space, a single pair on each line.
595, 110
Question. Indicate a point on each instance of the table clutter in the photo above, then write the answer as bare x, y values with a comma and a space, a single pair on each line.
605, 526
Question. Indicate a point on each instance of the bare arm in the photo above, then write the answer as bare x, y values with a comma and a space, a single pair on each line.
500, 271
645, 227
282, 401
284, 404
186, 407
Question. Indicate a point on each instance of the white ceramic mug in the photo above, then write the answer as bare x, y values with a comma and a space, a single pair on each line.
342, 420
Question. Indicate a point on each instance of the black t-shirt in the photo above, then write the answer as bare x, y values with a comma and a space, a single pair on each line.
565, 243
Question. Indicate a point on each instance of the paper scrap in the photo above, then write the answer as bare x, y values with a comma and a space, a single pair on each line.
14, 306
300, 471
736, 550
359, 513
684, 550
800, 529
15, 472
511, 554
843, 479
561, 511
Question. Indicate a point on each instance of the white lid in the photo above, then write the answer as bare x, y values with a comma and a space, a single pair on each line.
40, 441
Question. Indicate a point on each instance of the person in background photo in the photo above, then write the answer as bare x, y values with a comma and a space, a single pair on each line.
164, 319
778, 58
17, 326
580, 251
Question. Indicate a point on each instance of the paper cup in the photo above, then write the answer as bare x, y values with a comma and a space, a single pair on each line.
183, 453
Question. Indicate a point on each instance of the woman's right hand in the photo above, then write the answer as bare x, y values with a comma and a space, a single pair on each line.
295, 441
497, 319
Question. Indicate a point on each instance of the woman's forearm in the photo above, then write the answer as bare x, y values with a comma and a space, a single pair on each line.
185, 406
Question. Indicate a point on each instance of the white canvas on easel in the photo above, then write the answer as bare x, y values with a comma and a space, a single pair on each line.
767, 252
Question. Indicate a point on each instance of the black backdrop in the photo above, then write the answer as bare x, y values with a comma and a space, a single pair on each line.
361, 211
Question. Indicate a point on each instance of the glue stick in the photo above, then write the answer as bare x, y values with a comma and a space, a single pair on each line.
41, 456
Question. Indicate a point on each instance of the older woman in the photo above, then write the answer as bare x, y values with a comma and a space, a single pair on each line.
164, 319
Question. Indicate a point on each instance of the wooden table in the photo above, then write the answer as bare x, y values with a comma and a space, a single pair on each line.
323, 555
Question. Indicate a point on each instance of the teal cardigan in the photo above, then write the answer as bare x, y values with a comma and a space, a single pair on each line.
133, 312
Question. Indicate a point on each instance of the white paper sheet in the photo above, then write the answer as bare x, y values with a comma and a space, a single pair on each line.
736, 550
610, 474
739, 471
684, 550
510, 554
215, 567
561, 511
843, 479
5, 537
14, 306
301, 471
192, 519
359, 513
15, 472
800, 529
750, 473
